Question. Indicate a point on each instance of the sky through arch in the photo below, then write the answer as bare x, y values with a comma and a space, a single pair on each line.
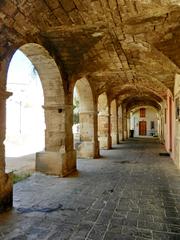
25, 115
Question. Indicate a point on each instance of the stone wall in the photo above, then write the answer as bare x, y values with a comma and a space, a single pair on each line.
6, 190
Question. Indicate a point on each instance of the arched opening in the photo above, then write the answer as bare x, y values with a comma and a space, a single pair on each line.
114, 122
76, 124
140, 101
25, 116
103, 122
50, 160
84, 120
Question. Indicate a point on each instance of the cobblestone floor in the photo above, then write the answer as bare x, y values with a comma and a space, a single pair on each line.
130, 193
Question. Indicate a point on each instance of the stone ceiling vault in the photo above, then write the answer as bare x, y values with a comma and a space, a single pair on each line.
117, 44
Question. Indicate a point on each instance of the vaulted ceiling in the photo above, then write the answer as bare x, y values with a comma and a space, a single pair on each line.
128, 48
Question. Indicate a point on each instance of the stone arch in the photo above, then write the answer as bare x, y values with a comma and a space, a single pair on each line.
131, 102
88, 147
103, 103
85, 95
135, 108
25, 129
58, 158
138, 102
53, 93
104, 122
114, 122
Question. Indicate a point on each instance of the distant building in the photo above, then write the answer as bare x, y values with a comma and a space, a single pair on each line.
144, 122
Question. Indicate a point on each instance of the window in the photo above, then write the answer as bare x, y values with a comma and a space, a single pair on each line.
142, 112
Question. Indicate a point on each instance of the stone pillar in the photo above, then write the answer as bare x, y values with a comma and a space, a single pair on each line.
88, 147
59, 157
96, 141
128, 126
162, 122
114, 124
6, 184
104, 130
55, 128
114, 134
70, 157
124, 123
120, 123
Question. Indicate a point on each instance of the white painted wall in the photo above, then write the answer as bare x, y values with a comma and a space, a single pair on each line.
151, 115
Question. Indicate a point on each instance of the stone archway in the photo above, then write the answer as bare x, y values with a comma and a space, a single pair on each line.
57, 159
104, 122
53, 94
25, 126
88, 146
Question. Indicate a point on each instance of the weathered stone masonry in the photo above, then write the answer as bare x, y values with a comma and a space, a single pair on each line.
127, 51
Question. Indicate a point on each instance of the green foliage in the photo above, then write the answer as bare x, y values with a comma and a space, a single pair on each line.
75, 111
20, 177
75, 118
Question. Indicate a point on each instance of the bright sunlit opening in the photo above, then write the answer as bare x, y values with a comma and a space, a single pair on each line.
25, 116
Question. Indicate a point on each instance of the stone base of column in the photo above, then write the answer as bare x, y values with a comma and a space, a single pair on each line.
56, 163
87, 149
6, 192
105, 142
125, 135
120, 137
114, 139
96, 150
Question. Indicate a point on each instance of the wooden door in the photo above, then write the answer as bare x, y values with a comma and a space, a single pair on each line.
142, 128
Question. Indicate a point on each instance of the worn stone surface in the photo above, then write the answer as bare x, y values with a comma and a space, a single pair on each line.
114, 122
127, 50
6, 184
104, 135
131, 193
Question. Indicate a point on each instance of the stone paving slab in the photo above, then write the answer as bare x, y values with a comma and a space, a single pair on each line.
130, 193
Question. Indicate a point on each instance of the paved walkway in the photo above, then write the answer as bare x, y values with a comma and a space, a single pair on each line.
131, 193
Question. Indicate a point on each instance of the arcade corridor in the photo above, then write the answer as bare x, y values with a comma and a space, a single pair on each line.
130, 193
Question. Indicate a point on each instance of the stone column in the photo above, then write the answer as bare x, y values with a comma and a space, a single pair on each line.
59, 158
124, 121
114, 127
162, 123
55, 128
120, 123
128, 126
70, 157
104, 130
96, 141
88, 145
6, 184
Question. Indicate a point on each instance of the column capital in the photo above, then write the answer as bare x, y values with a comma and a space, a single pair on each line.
4, 94
88, 112
54, 107
103, 114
